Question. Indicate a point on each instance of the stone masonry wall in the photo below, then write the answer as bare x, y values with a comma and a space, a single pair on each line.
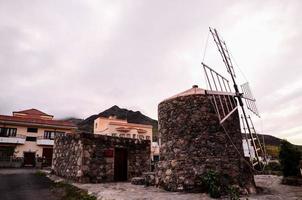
67, 157
193, 143
93, 163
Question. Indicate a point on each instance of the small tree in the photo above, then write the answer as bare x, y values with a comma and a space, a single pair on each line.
289, 159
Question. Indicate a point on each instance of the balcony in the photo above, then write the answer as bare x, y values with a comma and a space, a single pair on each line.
45, 141
12, 139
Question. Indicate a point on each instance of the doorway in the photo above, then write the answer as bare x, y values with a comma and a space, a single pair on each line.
120, 164
29, 159
47, 157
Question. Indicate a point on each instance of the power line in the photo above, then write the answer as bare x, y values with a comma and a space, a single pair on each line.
205, 47
241, 72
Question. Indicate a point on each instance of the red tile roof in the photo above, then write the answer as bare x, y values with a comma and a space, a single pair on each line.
53, 123
33, 111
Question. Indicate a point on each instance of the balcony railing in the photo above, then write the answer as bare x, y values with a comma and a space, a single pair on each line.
13, 139
42, 140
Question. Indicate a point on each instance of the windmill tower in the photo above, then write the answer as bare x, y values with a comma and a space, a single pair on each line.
224, 107
200, 131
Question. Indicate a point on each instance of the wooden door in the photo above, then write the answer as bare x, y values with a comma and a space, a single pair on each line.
47, 157
29, 159
120, 164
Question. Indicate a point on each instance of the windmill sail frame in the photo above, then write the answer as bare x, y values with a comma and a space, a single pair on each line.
247, 95
250, 101
223, 50
220, 91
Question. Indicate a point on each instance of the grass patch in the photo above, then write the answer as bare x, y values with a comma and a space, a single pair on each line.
40, 173
67, 191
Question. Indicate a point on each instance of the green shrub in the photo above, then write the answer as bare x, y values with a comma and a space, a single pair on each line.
272, 151
289, 159
233, 193
40, 173
211, 181
273, 166
217, 185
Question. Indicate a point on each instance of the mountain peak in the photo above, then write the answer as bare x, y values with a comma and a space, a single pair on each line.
121, 113
114, 107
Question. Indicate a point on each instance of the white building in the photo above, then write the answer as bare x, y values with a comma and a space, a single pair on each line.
30, 135
121, 128
248, 149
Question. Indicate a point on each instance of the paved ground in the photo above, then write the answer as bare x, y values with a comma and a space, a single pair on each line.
18, 171
274, 190
271, 185
127, 191
24, 184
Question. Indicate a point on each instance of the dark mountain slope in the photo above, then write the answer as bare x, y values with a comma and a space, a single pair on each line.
73, 120
269, 139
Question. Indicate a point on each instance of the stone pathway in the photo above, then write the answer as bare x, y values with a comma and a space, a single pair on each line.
271, 185
274, 190
127, 191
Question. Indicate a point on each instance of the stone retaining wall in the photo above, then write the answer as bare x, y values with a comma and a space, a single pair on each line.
193, 143
88, 157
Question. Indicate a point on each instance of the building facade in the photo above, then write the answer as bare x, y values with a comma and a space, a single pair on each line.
121, 128
28, 137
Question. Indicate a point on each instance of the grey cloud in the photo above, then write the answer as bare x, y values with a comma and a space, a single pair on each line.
79, 58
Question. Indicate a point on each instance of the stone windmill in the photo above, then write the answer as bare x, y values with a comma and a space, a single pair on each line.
200, 131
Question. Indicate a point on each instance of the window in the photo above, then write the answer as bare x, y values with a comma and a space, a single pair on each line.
141, 137
8, 132
114, 134
96, 125
31, 139
51, 134
134, 136
128, 136
156, 158
32, 130
59, 133
147, 137
122, 135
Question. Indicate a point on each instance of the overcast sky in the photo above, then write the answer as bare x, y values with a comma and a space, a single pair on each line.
78, 58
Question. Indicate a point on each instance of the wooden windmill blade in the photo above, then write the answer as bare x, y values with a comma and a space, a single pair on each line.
247, 95
221, 95
250, 101
223, 50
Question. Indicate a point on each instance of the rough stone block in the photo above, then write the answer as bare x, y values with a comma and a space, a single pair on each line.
138, 181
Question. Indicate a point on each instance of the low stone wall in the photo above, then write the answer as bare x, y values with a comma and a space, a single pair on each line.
88, 157
193, 142
68, 156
